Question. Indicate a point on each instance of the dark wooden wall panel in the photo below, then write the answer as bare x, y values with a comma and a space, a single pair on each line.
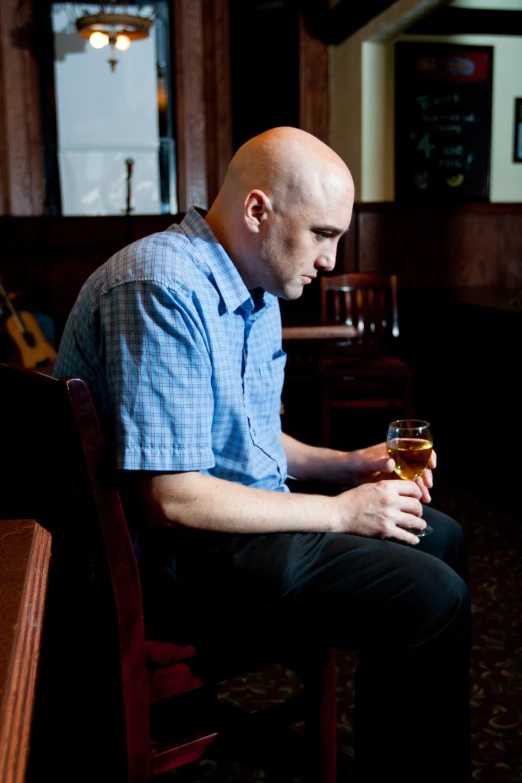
21, 162
313, 84
218, 105
348, 251
468, 245
190, 104
49, 258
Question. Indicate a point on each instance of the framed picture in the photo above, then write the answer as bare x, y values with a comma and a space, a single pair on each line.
517, 132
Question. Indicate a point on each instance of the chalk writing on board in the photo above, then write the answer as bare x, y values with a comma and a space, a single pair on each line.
443, 121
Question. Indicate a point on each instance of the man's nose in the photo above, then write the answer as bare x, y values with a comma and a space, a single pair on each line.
326, 261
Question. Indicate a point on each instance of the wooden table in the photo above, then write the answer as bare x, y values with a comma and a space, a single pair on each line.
341, 332
25, 553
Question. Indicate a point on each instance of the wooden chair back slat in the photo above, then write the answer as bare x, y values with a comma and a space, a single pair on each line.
363, 371
366, 301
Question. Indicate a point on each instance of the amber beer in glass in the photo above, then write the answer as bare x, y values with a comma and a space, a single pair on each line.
409, 443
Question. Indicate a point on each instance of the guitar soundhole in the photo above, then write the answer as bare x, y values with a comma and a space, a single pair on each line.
30, 339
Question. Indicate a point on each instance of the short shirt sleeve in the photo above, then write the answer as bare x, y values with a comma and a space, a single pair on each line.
159, 379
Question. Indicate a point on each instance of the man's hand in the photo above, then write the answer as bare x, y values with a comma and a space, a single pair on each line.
373, 464
384, 509
348, 468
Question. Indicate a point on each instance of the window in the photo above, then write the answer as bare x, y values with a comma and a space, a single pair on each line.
111, 144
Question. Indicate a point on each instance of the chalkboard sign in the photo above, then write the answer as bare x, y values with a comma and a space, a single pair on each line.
442, 122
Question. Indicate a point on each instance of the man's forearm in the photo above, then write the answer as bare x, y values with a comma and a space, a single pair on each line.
197, 501
313, 463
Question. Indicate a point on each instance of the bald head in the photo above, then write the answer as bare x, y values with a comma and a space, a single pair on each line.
284, 163
284, 174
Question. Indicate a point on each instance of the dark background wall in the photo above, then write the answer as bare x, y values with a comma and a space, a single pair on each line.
264, 60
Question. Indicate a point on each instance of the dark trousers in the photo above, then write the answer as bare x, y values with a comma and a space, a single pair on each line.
404, 609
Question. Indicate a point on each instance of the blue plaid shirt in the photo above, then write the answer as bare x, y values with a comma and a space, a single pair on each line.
182, 359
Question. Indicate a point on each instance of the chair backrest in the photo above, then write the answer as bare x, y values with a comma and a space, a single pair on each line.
365, 301
52, 469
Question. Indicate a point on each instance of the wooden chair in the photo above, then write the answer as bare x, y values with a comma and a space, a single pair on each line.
363, 372
100, 676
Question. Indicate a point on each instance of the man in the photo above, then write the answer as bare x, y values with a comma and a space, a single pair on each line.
179, 338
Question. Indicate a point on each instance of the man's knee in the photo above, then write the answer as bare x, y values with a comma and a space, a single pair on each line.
447, 542
447, 604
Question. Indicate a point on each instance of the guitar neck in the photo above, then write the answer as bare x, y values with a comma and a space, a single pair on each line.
12, 309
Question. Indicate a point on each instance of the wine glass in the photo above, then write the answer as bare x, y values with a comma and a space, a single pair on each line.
409, 443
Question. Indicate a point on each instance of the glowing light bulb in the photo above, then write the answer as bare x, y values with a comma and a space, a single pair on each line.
98, 40
122, 42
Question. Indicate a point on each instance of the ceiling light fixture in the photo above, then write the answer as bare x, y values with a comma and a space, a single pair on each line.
114, 28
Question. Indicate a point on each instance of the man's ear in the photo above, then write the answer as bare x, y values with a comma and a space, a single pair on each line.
257, 209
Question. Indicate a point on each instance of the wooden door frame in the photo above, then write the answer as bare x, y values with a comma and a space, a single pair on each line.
21, 159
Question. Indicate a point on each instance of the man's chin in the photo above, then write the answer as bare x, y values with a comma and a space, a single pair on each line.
292, 292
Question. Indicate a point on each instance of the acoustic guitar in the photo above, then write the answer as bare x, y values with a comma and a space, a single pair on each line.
23, 329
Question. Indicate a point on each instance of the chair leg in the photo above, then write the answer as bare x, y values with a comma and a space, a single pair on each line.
329, 721
321, 723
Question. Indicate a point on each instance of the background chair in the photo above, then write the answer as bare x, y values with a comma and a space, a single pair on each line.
101, 679
364, 371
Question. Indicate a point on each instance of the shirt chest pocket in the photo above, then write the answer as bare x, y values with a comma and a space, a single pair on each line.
263, 387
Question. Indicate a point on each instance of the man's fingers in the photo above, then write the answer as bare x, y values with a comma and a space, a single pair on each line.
426, 497
407, 527
412, 524
427, 478
405, 535
411, 506
388, 465
405, 487
383, 468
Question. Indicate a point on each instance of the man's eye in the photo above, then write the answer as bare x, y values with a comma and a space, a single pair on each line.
323, 234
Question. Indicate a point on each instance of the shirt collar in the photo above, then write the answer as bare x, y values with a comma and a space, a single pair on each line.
227, 279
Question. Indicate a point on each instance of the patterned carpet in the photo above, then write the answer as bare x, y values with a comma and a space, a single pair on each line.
492, 524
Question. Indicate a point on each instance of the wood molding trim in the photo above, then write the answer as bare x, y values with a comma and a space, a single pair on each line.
190, 104
21, 164
216, 38
396, 19
314, 104
451, 20
445, 210
346, 106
